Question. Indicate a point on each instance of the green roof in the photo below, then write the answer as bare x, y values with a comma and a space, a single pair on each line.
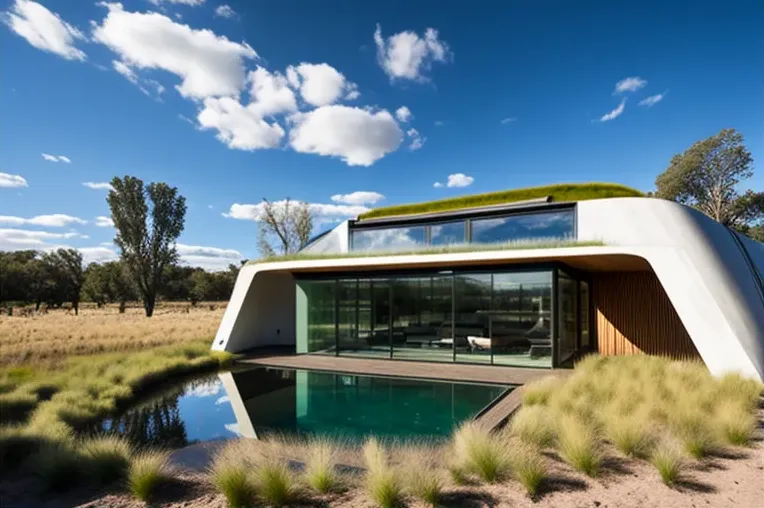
558, 192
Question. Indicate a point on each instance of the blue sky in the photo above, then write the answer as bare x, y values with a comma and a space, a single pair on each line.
303, 100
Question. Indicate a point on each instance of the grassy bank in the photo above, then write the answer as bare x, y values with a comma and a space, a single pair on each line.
42, 408
49, 337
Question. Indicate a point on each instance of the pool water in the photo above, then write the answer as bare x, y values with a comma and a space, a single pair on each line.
260, 400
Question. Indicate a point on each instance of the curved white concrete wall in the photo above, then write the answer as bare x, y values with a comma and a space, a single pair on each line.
697, 260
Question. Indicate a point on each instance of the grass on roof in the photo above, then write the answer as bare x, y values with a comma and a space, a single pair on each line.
559, 192
447, 249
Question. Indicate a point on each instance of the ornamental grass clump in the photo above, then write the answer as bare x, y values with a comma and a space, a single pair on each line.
59, 466
694, 429
422, 477
231, 476
108, 458
631, 434
382, 482
528, 466
539, 392
274, 481
321, 466
533, 426
668, 460
735, 423
578, 444
481, 453
148, 471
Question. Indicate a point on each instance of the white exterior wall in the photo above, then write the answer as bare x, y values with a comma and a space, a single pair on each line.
696, 260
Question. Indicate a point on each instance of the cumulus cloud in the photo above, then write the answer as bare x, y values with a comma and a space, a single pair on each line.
44, 29
406, 55
358, 136
19, 239
239, 127
8, 180
99, 254
208, 65
615, 113
56, 158
270, 93
358, 198
417, 141
458, 180
652, 100
209, 258
98, 185
321, 212
437, 185
321, 84
507, 120
57, 220
225, 11
403, 114
629, 85
192, 3
104, 222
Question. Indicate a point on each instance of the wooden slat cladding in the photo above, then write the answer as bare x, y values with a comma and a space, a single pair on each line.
633, 315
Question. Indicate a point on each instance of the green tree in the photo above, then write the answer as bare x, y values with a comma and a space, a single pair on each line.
64, 267
121, 287
149, 220
96, 286
201, 286
707, 176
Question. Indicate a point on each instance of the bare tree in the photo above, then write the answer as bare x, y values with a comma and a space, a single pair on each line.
284, 227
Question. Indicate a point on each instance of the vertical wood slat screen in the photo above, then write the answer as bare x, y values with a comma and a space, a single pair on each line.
634, 315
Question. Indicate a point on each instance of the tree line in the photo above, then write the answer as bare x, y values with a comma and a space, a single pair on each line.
58, 277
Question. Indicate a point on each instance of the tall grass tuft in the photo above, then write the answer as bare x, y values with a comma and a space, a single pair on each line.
382, 482
630, 434
693, 427
320, 466
579, 444
528, 466
422, 476
60, 467
274, 482
667, 459
108, 458
533, 426
735, 424
479, 452
148, 471
539, 392
230, 475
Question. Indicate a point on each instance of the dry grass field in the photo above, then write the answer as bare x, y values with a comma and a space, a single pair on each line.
50, 337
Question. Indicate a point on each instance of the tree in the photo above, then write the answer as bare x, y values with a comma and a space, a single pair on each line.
201, 286
707, 177
146, 235
121, 287
96, 286
284, 227
65, 268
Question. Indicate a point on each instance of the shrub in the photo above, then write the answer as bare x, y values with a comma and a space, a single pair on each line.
320, 466
108, 458
479, 452
60, 467
382, 482
274, 482
735, 423
533, 425
667, 459
578, 444
148, 471
528, 466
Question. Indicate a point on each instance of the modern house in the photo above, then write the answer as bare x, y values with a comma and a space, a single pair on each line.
534, 277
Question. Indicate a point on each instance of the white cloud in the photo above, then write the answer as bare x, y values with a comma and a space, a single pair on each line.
205, 389
100, 254
403, 114
56, 220
417, 141
19, 239
239, 127
459, 180
321, 84
8, 181
507, 120
629, 85
321, 212
358, 136
44, 29
438, 123
615, 113
270, 93
56, 158
652, 100
405, 55
358, 198
104, 222
98, 185
225, 11
209, 258
437, 185
192, 3
208, 64
125, 70
225, 399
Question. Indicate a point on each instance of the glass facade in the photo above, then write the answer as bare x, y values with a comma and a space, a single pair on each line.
501, 317
545, 225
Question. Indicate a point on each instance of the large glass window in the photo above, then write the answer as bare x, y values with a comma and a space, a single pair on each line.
316, 305
586, 340
383, 239
448, 233
546, 225
472, 318
567, 317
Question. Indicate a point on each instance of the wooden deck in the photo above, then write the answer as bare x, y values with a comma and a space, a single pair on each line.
494, 416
